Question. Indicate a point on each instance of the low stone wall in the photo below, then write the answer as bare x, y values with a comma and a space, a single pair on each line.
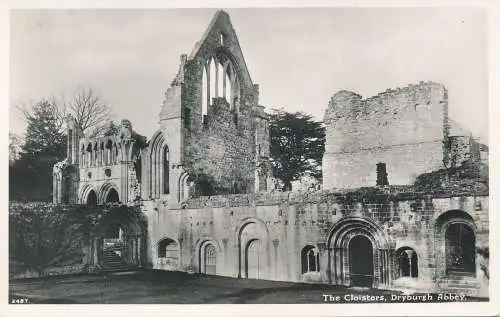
61, 270
284, 223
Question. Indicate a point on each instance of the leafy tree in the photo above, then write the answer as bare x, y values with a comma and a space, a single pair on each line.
44, 144
297, 146
45, 130
43, 236
14, 147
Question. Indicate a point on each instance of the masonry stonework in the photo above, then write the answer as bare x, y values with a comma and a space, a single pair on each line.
197, 197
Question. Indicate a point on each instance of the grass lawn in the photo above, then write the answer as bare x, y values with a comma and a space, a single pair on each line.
159, 287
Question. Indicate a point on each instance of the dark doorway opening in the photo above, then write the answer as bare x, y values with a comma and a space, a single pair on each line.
460, 249
253, 265
112, 196
92, 199
361, 261
382, 179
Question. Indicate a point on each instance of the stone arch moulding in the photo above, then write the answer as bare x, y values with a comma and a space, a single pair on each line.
406, 262
262, 237
84, 193
157, 150
338, 242
309, 255
199, 252
183, 186
164, 259
441, 244
105, 190
220, 78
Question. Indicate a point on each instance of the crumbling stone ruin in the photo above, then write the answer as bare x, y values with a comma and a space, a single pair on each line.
196, 198
404, 132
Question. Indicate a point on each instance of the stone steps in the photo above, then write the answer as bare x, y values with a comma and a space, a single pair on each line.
459, 283
112, 262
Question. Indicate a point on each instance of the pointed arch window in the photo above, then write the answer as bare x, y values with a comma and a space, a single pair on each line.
89, 155
228, 87
219, 80
166, 170
205, 93
109, 152
212, 75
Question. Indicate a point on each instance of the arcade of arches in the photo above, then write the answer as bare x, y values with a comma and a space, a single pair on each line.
107, 195
323, 236
356, 252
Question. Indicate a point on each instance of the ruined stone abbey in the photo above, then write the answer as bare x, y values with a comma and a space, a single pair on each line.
199, 196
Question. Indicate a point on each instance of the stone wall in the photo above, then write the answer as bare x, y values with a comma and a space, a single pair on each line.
403, 128
287, 222
219, 149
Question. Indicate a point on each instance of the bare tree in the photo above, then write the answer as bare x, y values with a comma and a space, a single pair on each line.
89, 111
86, 106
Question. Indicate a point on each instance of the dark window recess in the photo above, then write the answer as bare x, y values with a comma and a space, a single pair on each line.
382, 179
187, 118
107, 172
205, 120
235, 118
166, 172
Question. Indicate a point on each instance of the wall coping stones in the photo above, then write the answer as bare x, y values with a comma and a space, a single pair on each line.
364, 195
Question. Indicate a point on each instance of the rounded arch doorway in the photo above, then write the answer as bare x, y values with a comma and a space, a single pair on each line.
361, 261
119, 240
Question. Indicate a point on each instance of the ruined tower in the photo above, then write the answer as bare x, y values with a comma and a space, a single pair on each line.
213, 136
400, 130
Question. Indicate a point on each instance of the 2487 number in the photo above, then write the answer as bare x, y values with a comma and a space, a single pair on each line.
19, 300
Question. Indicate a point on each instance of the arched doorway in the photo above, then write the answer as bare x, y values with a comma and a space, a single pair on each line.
209, 259
112, 196
168, 254
361, 261
254, 251
119, 240
359, 253
91, 199
254, 259
456, 254
460, 249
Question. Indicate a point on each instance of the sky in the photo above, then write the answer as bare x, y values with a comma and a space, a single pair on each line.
299, 57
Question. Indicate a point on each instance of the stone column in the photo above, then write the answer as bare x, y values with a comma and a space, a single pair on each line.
139, 252
329, 265
388, 268
217, 79
125, 168
409, 254
224, 258
161, 154
345, 268
99, 251
158, 173
275, 243
224, 83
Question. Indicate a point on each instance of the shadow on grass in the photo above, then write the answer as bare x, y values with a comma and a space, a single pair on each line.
175, 288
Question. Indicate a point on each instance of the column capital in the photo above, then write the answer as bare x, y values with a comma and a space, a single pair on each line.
276, 242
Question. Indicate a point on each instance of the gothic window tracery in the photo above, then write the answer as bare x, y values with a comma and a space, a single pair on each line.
219, 80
